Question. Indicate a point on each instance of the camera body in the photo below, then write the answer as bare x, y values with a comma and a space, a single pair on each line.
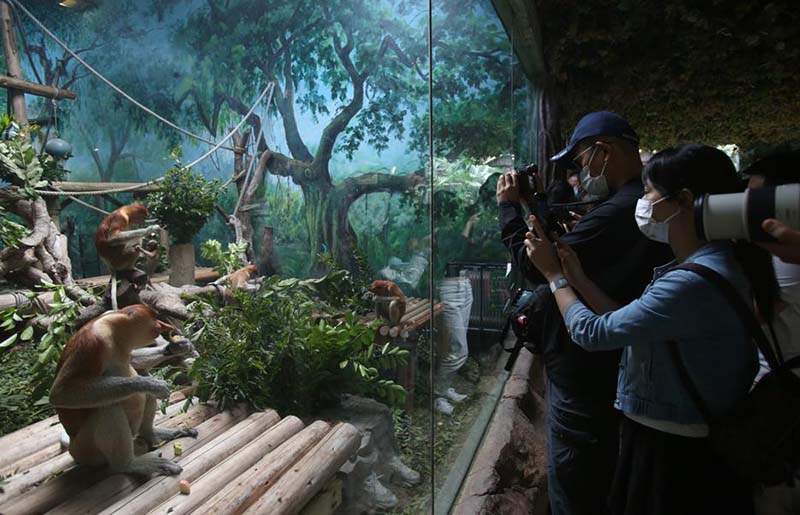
739, 215
525, 313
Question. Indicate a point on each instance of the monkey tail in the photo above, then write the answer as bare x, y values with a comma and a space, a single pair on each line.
114, 305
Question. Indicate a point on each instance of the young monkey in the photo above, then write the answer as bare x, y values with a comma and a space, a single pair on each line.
393, 306
120, 247
103, 403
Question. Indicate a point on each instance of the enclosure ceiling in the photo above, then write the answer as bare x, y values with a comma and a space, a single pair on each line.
521, 22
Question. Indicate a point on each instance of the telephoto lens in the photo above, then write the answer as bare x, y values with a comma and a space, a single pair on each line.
739, 215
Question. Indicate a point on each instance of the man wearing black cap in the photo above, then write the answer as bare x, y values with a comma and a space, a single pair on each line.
582, 423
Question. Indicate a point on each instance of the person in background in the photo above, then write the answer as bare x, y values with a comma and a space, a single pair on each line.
582, 424
575, 181
666, 464
774, 170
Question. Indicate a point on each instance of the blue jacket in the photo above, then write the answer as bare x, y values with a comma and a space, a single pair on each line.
677, 306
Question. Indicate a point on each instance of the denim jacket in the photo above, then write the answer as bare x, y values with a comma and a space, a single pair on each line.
683, 307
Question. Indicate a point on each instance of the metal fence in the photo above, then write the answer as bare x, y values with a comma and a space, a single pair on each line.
491, 290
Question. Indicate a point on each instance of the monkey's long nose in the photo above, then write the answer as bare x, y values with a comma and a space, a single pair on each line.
164, 327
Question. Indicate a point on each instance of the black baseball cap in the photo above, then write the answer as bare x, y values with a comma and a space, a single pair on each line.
598, 123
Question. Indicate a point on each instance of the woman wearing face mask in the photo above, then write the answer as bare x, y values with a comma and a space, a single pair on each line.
666, 465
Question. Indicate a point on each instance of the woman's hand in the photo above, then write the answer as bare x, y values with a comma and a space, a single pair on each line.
571, 265
540, 251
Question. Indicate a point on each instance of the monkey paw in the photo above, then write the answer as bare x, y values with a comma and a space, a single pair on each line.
158, 388
149, 464
160, 435
178, 347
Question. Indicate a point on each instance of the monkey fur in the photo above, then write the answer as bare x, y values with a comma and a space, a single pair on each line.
103, 403
117, 245
390, 302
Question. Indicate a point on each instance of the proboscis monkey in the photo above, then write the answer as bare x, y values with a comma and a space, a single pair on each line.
103, 403
393, 305
120, 247
237, 278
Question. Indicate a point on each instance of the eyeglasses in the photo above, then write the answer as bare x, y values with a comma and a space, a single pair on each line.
576, 160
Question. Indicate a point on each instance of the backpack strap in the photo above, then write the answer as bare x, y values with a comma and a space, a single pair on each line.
745, 315
742, 310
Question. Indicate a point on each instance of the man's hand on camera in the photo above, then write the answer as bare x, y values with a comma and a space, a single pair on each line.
540, 251
508, 188
787, 248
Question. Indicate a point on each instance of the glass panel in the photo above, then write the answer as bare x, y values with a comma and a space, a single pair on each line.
482, 128
327, 176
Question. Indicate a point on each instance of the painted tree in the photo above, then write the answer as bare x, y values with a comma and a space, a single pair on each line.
359, 65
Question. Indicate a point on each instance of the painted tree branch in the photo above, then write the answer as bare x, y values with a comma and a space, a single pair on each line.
341, 120
368, 183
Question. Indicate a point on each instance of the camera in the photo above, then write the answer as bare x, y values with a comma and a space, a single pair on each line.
527, 184
739, 215
525, 313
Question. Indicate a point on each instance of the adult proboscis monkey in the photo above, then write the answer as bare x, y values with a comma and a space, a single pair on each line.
103, 403
120, 247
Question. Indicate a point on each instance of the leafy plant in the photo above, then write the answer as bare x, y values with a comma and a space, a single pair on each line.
20, 163
10, 231
183, 203
288, 349
223, 261
61, 317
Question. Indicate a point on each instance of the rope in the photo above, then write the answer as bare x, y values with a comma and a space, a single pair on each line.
252, 164
81, 202
110, 84
270, 87
49, 193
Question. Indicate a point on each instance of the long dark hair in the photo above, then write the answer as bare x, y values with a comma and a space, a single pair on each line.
702, 169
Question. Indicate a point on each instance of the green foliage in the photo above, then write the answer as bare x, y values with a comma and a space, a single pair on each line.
183, 203
62, 314
16, 408
718, 72
288, 348
21, 165
10, 231
223, 261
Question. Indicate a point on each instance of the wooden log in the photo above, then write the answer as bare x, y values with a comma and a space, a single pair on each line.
102, 186
327, 501
36, 89
10, 443
251, 484
309, 475
40, 438
231, 469
205, 459
59, 489
414, 309
16, 97
116, 487
29, 478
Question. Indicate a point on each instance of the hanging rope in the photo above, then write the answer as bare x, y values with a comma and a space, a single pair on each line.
252, 162
81, 202
50, 193
110, 84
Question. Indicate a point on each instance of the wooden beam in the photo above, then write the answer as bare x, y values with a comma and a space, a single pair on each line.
36, 89
12, 62
97, 186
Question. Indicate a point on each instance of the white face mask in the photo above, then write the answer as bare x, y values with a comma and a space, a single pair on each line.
655, 230
597, 186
